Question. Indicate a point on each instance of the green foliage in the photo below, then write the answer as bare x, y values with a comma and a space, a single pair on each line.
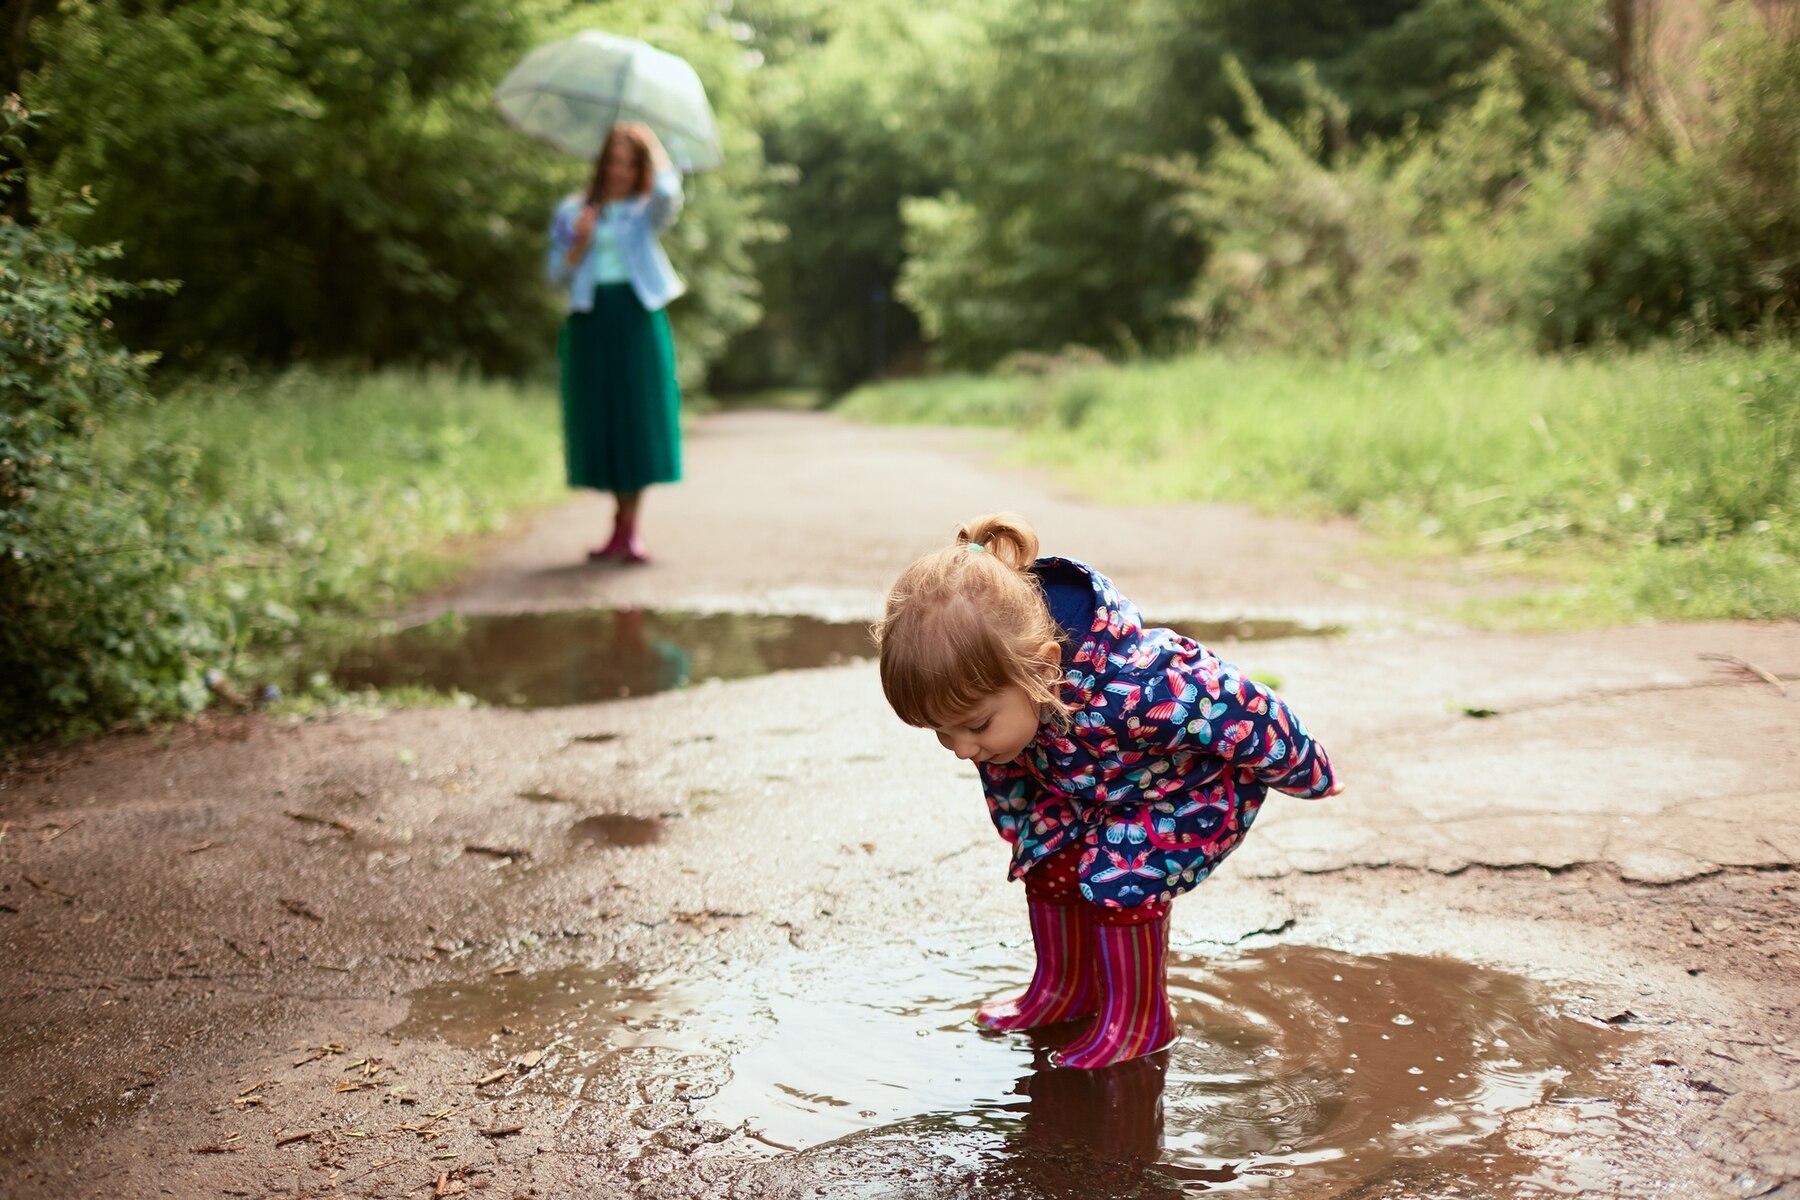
1047, 234
330, 181
1395, 62
1708, 238
847, 104
1494, 222
93, 547
1664, 484
986, 159
333, 492
325, 178
239, 522
1326, 244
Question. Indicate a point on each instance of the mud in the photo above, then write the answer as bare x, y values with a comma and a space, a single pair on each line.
615, 829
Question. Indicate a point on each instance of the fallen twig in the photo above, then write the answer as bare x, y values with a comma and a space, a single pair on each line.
500, 1131
348, 829
324, 1051
1772, 680
1512, 533
58, 829
497, 851
41, 886
239, 951
299, 909
291, 1138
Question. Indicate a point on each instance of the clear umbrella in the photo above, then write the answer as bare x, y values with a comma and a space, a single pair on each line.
570, 92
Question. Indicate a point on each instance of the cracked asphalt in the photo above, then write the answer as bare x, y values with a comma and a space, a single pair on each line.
219, 942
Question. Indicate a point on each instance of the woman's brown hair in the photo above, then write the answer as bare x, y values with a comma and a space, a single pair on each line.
968, 622
622, 139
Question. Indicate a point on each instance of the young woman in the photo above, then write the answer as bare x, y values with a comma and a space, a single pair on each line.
621, 402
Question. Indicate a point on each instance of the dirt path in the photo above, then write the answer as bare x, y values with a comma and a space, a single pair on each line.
577, 951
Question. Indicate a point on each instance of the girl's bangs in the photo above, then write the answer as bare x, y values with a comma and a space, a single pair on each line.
935, 684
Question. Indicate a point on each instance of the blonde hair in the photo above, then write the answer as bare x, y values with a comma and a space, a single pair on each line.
968, 622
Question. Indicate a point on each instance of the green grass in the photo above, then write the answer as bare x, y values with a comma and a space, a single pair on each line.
1659, 485
333, 497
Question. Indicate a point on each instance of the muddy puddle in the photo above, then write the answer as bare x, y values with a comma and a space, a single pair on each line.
1296, 1063
542, 660
615, 829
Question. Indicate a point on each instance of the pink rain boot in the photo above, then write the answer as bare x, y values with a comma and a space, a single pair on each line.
1131, 951
1062, 987
1062, 932
614, 545
625, 545
632, 550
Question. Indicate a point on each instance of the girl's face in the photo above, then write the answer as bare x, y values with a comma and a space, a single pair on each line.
996, 730
621, 174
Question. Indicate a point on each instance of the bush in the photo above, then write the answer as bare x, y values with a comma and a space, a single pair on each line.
1326, 244
94, 545
144, 543
1708, 238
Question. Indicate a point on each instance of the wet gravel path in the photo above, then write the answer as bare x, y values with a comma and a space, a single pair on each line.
641, 947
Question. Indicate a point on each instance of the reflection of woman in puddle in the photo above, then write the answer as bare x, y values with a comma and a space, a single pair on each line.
1122, 763
628, 663
664, 662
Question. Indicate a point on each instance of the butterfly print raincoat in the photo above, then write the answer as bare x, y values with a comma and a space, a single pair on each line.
1163, 767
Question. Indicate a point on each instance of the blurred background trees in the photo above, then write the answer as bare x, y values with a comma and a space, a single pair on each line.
226, 190
962, 181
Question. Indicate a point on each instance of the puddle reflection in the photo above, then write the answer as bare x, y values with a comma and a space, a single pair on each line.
1293, 1061
541, 660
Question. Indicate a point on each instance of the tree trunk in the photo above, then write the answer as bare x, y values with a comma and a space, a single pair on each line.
17, 57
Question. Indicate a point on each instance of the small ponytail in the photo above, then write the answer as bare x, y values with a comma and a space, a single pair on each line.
1007, 536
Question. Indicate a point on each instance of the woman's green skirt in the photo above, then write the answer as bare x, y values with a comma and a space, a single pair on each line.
621, 404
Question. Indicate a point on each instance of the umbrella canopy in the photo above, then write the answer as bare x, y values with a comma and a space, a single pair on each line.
569, 93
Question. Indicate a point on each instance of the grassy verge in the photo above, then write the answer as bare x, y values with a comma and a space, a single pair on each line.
1659, 485
236, 528
342, 496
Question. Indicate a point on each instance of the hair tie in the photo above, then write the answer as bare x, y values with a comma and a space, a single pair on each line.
976, 547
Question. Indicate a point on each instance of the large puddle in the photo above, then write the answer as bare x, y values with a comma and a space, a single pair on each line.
540, 660
1295, 1063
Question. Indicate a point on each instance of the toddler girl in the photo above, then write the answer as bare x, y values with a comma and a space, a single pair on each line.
1122, 763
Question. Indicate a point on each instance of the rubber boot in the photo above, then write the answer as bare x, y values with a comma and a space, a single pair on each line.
615, 545
1131, 954
632, 549
1062, 986
1062, 933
